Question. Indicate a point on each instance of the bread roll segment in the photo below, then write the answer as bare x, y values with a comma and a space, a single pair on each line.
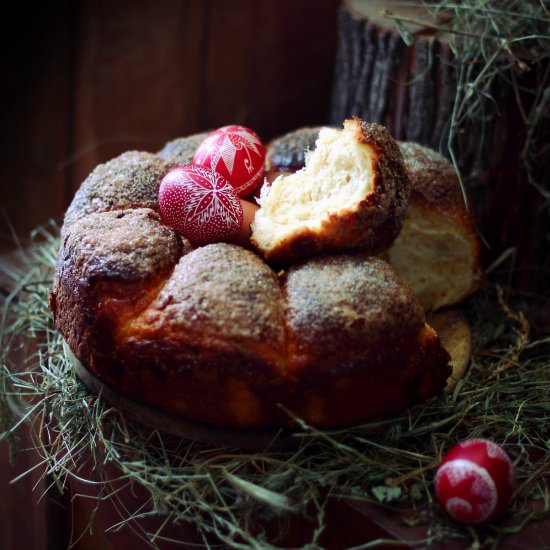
130, 180
351, 195
181, 151
437, 252
358, 341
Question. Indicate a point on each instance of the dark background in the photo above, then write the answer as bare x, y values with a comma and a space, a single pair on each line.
84, 81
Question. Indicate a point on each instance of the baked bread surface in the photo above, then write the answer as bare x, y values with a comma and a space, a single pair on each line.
358, 340
287, 154
181, 151
215, 335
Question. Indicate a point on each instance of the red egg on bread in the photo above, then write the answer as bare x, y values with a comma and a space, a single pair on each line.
236, 153
200, 204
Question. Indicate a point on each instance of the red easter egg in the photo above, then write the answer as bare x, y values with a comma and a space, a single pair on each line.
200, 204
236, 153
474, 481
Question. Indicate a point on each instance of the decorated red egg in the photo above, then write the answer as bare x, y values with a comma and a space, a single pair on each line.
200, 204
474, 481
236, 153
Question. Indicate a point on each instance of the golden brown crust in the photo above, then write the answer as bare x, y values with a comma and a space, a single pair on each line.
214, 335
218, 293
182, 150
375, 221
212, 342
347, 302
109, 265
434, 180
435, 185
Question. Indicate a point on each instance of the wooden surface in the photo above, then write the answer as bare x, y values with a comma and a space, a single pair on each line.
84, 81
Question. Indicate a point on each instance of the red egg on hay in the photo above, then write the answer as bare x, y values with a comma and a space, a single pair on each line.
200, 204
474, 481
236, 153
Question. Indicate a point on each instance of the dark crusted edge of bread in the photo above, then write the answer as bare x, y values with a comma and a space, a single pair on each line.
287, 152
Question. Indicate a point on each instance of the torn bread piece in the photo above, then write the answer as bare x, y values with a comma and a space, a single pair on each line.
351, 195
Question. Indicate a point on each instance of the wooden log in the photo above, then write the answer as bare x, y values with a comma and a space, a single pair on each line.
411, 90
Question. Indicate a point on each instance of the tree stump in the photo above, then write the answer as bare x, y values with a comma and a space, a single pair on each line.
411, 90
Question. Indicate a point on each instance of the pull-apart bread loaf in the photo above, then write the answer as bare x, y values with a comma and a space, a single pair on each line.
215, 335
351, 195
437, 251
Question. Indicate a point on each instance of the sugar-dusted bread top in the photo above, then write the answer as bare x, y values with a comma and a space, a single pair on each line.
130, 180
219, 295
435, 183
181, 151
348, 302
357, 329
351, 195
287, 153
121, 245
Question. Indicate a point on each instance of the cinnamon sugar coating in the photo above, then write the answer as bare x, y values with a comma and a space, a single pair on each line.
393, 182
220, 291
348, 302
127, 245
130, 180
287, 153
182, 150
357, 340
109, 266
434, 179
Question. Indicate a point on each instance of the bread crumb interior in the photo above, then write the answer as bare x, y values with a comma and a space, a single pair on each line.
337, 176
433, 258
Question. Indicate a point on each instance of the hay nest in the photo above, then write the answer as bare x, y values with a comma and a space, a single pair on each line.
230, 495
